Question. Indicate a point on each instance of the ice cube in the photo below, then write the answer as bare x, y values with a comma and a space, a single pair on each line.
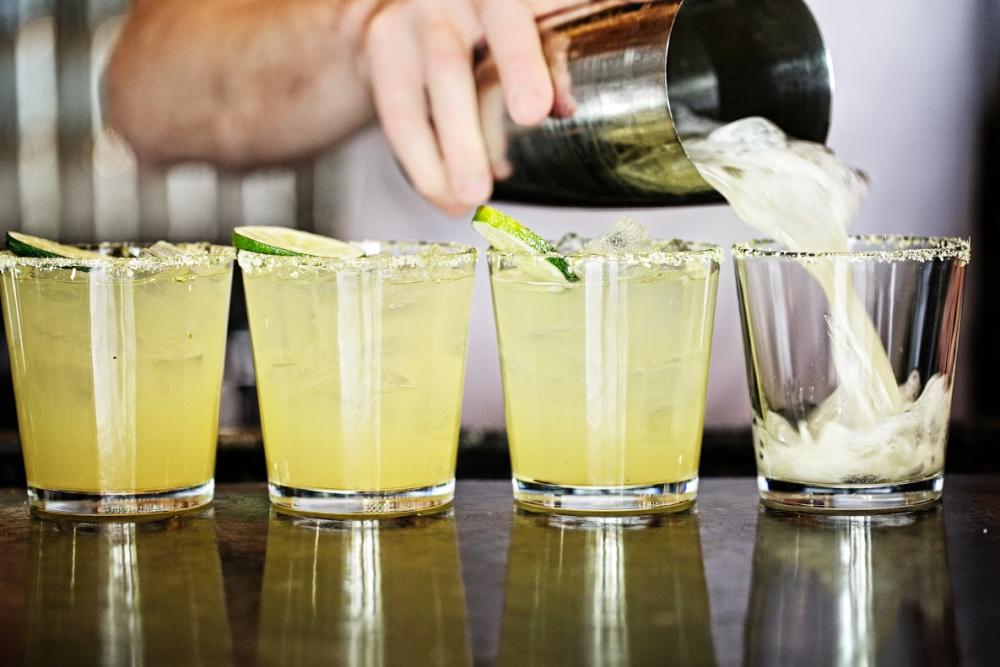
570, 243
752, 132
369, 247
627, 236
162, 249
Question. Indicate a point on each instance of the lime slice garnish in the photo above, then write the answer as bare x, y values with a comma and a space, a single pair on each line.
26, 245
508, 235
285, 241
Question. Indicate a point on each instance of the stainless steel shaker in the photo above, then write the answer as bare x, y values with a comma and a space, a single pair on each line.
634, 79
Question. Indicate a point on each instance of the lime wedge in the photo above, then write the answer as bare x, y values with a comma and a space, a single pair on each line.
508, 235
26, 245
284, 241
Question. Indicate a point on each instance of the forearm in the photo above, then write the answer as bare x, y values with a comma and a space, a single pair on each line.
238, 82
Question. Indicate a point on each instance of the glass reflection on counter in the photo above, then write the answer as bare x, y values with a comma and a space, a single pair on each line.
851, 591
605, 591
362, 593
126, 593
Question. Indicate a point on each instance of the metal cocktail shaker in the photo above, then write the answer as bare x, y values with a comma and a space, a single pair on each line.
634, 79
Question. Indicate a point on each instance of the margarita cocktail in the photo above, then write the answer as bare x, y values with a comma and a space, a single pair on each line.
360, 362
604, 356
116, 357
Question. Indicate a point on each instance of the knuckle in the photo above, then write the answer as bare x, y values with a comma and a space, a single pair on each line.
484, 6
441, 57
383, 25
442, 47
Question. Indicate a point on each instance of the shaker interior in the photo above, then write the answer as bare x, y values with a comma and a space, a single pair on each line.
730, 59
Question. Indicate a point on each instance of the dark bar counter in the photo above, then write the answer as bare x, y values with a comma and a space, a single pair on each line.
727, 583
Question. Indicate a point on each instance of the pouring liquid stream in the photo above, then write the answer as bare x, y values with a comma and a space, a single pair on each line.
801, 196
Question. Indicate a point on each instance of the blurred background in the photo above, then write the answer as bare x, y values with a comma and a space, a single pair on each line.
916, 104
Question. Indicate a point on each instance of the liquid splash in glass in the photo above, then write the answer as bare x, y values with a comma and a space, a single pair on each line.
870, 429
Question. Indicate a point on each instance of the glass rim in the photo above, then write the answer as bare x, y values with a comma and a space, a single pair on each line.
456, 255
216, 254
905, 248
692, 252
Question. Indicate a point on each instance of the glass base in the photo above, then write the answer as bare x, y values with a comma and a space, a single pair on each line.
858, 499
81, 503
605, 500
362, 504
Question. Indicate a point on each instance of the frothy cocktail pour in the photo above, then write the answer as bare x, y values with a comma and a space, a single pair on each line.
869, 430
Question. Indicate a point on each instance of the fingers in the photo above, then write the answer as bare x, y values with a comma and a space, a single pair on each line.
426, 47
492, 115
513, 39
454, 105
557, 53
395, 68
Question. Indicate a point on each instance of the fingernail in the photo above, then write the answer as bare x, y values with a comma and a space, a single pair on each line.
564, 107
457, 210
502, 170
527, 106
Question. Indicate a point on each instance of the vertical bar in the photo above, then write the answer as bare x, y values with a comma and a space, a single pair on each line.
986, 235
73, 67
154, 221
115, 181
192, 201
305, 199
269, 197
38, 159
10, 211
230, 205
100, 11
329, 211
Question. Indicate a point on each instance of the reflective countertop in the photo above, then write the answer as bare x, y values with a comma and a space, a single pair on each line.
725, 584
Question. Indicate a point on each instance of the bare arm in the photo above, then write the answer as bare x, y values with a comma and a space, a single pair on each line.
249, 82
239, 82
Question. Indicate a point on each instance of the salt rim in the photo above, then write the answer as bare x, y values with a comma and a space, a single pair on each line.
691, 252
212, 255
909, 249
450, 255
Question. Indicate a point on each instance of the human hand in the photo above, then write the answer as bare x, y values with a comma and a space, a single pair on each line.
418, 57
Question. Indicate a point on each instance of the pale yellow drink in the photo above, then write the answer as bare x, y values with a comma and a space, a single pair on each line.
360, 365
605, 378
117, 369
